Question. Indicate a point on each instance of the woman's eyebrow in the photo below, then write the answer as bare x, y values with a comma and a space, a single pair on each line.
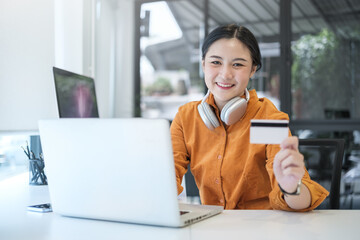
235, 59
215, 56
240, 59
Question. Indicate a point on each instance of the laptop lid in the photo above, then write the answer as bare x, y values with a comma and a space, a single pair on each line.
111, 169
75, 94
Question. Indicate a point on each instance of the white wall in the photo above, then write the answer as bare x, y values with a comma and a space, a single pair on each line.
95, 38
26, 57
114, 57
105, 56
124, 86
39, 34
68, 29
74, 35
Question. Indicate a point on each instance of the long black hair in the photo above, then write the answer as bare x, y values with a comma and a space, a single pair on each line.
235, 31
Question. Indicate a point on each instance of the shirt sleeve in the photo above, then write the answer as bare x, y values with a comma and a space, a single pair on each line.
181, 156
276, 197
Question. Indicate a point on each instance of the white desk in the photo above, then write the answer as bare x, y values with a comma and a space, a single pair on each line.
17, 223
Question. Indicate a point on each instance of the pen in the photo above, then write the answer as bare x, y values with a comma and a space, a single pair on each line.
27, 147
27, 154
33, 155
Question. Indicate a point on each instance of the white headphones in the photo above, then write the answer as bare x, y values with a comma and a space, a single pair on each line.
230, 114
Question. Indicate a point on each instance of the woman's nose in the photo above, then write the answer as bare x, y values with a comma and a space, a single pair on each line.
226, 72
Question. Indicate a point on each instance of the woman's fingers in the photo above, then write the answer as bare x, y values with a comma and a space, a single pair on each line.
292, 160
290, 142
289, 166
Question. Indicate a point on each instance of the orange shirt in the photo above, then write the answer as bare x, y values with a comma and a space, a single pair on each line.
228, 170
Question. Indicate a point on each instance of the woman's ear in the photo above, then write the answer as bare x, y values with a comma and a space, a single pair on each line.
253, 71
202, 65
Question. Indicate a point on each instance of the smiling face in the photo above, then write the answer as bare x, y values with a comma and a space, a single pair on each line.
227, 67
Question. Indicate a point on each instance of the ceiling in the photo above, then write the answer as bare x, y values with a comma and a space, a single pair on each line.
260, 16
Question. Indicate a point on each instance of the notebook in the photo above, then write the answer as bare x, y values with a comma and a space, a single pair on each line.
75, 94
115, 169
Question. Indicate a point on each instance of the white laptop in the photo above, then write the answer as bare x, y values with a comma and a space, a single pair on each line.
115, 169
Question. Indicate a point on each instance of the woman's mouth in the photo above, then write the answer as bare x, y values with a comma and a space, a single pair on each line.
224, 85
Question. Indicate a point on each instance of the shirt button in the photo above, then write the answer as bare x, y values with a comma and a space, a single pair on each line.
221, 201
217, 181
219, 157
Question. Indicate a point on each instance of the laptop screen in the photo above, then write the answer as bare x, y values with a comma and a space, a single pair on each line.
75, 95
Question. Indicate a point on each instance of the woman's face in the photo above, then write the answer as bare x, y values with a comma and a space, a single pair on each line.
227, 69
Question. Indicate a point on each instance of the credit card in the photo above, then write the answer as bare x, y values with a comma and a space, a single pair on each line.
264, 131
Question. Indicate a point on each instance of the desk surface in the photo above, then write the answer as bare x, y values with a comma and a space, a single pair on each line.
17, 223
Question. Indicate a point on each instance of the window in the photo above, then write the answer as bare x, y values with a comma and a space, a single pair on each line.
310, 54
326, 56
12, 158
262, 19
169, 59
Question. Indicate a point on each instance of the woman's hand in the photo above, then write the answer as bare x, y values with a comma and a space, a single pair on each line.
289, 165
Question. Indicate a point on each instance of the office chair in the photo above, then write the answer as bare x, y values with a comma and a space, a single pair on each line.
191, 188
323, 160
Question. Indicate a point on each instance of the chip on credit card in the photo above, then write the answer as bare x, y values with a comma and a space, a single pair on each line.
264, 131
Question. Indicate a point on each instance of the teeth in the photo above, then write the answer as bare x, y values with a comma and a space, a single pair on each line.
224, 85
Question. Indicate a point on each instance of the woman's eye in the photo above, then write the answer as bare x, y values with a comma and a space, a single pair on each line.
238, 65
216, 62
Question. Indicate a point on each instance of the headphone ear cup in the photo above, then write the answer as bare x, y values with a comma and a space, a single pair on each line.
208, 116
233, 110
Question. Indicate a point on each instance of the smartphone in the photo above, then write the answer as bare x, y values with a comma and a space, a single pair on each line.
46, 207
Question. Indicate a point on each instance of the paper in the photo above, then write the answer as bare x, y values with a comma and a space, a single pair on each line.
263, 131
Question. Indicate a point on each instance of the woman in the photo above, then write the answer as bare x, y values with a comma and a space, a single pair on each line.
213, 135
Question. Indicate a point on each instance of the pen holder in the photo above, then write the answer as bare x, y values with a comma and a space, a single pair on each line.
36, 172
36, 164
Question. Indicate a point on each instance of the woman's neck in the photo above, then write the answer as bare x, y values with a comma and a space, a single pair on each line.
220, 104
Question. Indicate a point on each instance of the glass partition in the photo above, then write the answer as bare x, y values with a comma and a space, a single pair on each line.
169, 61
261, 17
170, 43
13, 160
322, 91
326, 56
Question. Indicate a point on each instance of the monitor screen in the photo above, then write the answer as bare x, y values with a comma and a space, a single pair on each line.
75, 95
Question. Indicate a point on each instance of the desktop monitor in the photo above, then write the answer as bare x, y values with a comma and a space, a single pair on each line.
75, 95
